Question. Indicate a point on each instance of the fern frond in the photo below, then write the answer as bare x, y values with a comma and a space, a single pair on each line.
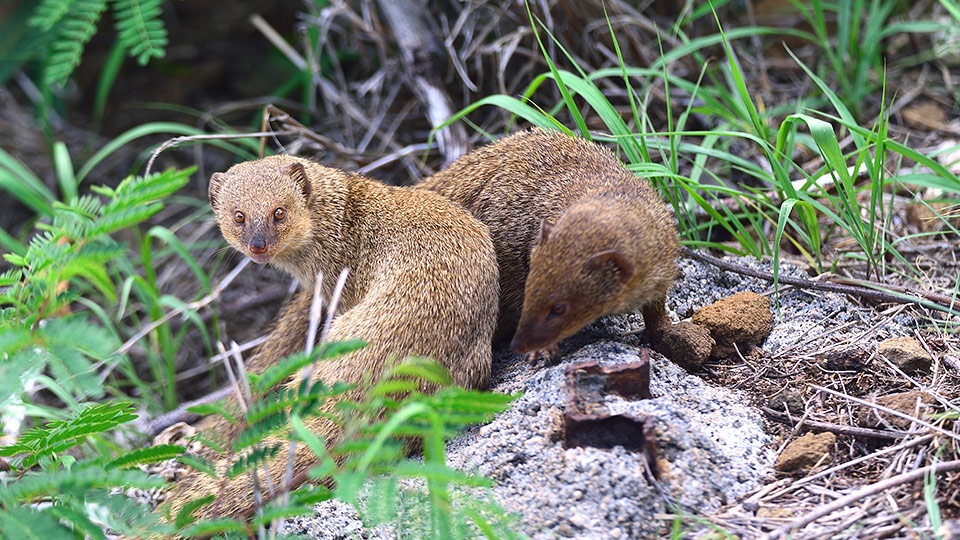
150, 454
123, 218
205, 409
271, 405
185, 515
26, 522
78, 520
140, 28
137, 198
200, 463
58, 435
305, 400
78, 479
282, 370
49, 13
136, 190
256, 433
72, 31
420, 368
254, 458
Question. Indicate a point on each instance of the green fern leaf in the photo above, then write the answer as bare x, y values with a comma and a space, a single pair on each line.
72, 31
79, 520
260, 431
140, 28
271, 405
185, 515
282, 370
124, 218
252, 459
151, 454
141, 189
205, 409
58, 435
81, 478
49, 13
200, 463
30, 524
137, 198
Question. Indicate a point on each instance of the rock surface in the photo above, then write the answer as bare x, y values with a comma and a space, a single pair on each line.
736, 323
806, 451
907, 354
687, 344
911, 403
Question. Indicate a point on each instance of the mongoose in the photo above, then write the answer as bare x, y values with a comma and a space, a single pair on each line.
423, 280
577, 235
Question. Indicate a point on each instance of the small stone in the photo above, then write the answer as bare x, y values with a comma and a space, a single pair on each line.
849, 359
565, 530
577, 495
907, 354
685, 343
737, 322
578, 521
805, 451
788, 400
616, 533
905, 402
775, 512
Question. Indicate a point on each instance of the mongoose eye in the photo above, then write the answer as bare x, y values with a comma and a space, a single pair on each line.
238, 217
279, 214
557, 310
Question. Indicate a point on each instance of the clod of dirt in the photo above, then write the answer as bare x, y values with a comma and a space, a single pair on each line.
907, 354
788, 400
736, 322
806, 451
849, 359
913, 403
687, 344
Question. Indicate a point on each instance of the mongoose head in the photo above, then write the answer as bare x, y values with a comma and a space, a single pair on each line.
575, 276
262, 207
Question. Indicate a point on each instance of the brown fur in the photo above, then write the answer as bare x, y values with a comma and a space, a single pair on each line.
609, 246
423, 280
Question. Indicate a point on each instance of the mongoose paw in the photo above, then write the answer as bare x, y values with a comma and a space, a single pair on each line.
550, 355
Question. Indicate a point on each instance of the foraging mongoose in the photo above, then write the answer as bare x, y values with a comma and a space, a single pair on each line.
577, 235
423, 281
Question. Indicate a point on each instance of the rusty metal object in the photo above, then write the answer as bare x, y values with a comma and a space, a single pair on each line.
587, 420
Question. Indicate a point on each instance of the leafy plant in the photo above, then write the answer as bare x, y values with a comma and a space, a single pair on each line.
70, 259
851, 34
696, 170
369, 459
58, 494
71, 24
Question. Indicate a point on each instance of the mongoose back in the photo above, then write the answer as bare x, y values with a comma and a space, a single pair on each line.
577, 235
423, 281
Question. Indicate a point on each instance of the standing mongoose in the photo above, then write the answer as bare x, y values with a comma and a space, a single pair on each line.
423, 281
577, 235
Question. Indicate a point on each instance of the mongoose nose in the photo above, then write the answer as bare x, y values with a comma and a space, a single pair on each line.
258, 246
518, 345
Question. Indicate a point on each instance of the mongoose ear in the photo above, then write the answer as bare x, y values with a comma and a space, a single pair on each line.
216, 182
546, 227
299, 174
612, 258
